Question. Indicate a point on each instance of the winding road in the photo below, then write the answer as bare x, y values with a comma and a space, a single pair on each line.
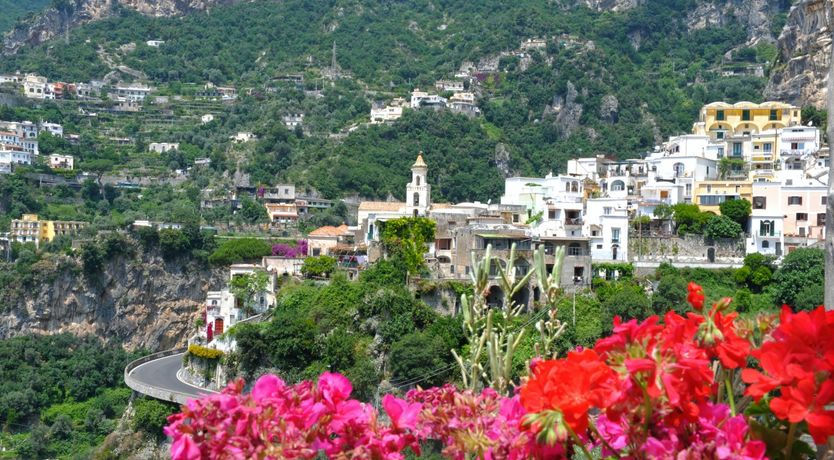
156, 376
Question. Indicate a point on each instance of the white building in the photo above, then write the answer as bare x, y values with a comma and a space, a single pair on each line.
243, 137
464, 103
207, 118
555, 203
57, 161
36, 87
155, 43
13, 139
418, 191
606, 222
420, 99
291, 120
449, 85
52, 128
162, 147
132, 93
9, 158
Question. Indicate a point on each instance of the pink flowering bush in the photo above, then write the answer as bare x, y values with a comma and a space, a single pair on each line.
286, 250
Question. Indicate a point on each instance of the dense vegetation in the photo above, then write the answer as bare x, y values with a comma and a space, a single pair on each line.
13, 10
645, 59
61, 394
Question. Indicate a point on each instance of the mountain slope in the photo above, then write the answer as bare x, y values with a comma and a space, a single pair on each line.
13, 10
614, 79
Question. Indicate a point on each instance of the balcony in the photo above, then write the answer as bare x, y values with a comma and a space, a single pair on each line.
768, 172
576, 221
775, 234
762, 158
576, 252
795, 152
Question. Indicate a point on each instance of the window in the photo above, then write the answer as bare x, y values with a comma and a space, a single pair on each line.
768, 147
679, 169
774, 115
765, 244
719, 115
720, 151
766, 228
801, 216
606, 210
615, 235
821, 219
594, 233
515, 218
824, 201
688, 189
551, 214
794, 201
737, 149
617, 186
316, 252
417, 178
759, 202
720, 135
599, 246
416, 199
745, 115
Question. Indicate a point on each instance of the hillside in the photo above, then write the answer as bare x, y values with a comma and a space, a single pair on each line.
616, 78
13, 10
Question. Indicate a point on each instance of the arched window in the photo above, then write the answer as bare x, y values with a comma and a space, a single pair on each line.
574, 186
617, 186
679, 169
765, 244
417, 178
567, 186
416, 199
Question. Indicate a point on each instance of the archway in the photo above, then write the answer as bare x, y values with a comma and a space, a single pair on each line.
617, 186
711, 254
495, 297
522, 297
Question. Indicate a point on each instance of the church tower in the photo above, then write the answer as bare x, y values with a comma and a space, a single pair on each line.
418, 192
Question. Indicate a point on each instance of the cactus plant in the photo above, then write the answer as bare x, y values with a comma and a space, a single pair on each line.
493, 341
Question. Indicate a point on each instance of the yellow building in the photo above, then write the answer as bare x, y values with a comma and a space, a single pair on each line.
709, 195
30, 229
720, 120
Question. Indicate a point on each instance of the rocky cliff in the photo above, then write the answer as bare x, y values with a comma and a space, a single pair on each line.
53, 21
140, 301
800, 75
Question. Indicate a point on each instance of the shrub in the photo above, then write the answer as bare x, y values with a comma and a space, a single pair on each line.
722, 227
204, 352
239, 250
318, 266
151, 416
801, 268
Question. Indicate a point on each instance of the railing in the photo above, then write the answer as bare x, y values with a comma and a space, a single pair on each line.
165, 395
576, 252
761, 158
574, 221
763, 172
773, 234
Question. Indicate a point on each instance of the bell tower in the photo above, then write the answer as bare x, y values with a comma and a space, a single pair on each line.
418, 191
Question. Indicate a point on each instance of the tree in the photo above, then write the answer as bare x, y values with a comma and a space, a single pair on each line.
253, 212
802, 268
810, 297
416, 356
670, 294
627, 302
173, 242
407, 237
737, 210
318, 266
248, 287
689, 218
719, 227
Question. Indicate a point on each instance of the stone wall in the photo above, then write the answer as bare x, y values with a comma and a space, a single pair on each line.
204, 373
689, 248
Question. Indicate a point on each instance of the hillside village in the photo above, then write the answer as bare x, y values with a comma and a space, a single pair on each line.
316, 203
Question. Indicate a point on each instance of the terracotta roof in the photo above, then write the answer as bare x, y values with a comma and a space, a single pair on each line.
441, 205
329, 230
392, 206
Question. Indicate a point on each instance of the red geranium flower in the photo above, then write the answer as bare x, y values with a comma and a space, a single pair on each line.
696, 296
571, 386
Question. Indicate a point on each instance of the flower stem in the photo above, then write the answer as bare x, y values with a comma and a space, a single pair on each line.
789, 442
730, 396
578, 442
601, 438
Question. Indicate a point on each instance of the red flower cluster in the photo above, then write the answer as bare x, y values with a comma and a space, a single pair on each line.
651, 382
572, 385
799, 361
